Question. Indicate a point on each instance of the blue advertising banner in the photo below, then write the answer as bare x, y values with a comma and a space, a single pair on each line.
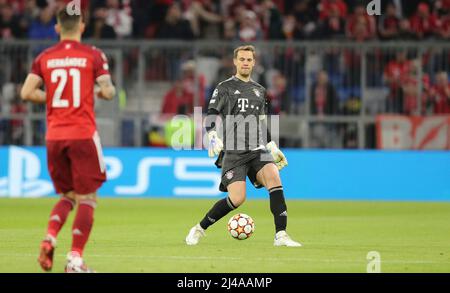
311, 174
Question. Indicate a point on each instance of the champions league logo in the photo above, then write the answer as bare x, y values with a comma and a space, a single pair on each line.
74, 7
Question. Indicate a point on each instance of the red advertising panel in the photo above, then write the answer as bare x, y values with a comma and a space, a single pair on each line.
413, 132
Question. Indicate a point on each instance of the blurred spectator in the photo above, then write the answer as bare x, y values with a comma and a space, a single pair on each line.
145, 14
30, 13
249, 27
176, 100
244, 20
306, 14
444, 29
440, 94
394, 72
333, 26
204, 11
424, 23
17, 125
174, 26
98, 28
325, 8
389, 23
278, 95
272, 21
18, 6
9, 23
180, 98
233, 8
119, 17
291, 29
410, 90
324, 100
405, 32
229, 30
442, 7
44, 27
360, 25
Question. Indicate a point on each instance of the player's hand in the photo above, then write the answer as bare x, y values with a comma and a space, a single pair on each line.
215, 144
278, 157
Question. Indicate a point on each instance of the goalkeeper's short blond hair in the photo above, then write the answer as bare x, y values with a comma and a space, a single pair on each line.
245, 48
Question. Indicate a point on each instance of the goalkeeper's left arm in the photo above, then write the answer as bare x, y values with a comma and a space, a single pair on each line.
215, 145
278, 157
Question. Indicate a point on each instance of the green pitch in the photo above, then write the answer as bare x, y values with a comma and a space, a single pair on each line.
147, 235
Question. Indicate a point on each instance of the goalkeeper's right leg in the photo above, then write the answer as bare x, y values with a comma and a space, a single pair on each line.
194, 235
219, 210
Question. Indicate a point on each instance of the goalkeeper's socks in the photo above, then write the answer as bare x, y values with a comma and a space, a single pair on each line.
82, 225
58, 216
218, 211
278, 208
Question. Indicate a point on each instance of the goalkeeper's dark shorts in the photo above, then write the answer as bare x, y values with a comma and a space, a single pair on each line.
237, 166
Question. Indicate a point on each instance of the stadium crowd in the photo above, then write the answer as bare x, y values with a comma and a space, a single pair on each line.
336, 84
243, 20
246, 20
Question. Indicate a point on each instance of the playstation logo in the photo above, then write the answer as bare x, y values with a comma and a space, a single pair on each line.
23, 171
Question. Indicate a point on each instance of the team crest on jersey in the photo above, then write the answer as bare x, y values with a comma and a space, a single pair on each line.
256, 92
229, 175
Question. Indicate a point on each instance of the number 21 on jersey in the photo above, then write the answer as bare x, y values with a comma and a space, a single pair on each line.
61, 76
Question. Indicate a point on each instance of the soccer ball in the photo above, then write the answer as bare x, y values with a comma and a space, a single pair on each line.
241, 226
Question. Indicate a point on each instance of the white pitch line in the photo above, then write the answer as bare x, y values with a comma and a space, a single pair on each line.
207, 258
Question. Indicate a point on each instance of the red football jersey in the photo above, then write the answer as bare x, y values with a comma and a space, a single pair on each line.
69, 71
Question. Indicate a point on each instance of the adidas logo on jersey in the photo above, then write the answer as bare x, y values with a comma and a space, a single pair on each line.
283, 214
237, 92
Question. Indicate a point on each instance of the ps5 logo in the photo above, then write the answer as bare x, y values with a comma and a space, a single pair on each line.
24, 170
181, 171
192, 176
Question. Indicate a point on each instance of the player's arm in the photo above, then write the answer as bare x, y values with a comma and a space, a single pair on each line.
278, 157
215, 145
106, 89
31, 90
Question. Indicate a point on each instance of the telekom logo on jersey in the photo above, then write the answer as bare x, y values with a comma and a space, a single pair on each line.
24, 175
243, 104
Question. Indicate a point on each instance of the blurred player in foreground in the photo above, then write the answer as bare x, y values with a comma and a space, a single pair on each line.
243, 101
69, 71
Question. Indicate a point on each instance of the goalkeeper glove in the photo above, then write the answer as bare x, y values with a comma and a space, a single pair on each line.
278, 156
215, 144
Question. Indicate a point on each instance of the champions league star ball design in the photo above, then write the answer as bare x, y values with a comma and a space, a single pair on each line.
241, 226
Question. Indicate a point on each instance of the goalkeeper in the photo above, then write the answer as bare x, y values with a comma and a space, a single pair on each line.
241, 100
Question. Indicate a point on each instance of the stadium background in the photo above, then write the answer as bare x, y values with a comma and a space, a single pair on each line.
364, 105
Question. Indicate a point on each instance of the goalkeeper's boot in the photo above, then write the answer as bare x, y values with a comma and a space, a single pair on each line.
47, 251
283, 239
75, 264
194, 235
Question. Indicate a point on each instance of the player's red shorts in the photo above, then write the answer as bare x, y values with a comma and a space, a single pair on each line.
76, 165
